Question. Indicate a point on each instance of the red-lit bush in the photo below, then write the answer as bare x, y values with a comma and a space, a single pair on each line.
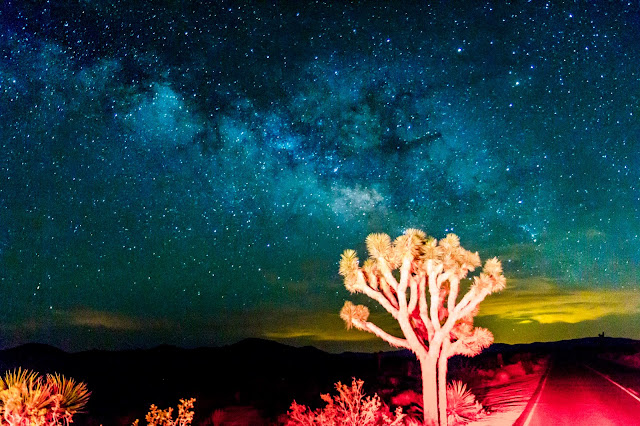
349, 407
235, 416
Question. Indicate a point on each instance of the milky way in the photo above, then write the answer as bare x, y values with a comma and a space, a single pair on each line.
189, 172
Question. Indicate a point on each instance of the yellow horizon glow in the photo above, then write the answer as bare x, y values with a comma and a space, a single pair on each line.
544, 301
532, 309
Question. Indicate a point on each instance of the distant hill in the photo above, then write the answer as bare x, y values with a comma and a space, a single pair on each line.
587, 343
260, 373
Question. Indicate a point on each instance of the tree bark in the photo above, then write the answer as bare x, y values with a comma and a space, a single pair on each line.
428, 366
442, 385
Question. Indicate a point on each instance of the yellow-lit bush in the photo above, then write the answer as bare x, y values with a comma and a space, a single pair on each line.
158, 417
28, 399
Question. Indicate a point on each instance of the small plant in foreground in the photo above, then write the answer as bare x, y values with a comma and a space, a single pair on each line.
349, 408
157, 417
462, 406
28, 399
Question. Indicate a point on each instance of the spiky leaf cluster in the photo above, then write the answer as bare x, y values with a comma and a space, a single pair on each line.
462, 406
410, 244
462, 329
415, 245
75, 395
455, 258
493, 267
380, 248
28, 398
349, 268
448, 252
491, 279
474, 343
378, 245
350, 312
369, 267
17, 377
431, 250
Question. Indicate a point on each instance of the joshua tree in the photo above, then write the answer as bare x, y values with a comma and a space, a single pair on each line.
417, 280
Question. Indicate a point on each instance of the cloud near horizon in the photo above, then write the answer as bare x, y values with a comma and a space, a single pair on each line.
510, 315
545, 301
531, 309
102, 319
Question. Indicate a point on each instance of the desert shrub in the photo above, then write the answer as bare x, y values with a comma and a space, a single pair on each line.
632, 361
157, 417
527, 360
29, 399
516, 369
500, 378
349, 407
461, 404
406, 398
464, 370
528, 365
235, 416
217, 417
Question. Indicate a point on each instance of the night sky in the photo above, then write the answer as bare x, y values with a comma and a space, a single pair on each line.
188, 172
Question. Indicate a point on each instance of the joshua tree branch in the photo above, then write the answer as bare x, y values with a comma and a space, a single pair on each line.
473, 344
388, 293
454, 285
433, 271
404, 279
473, 303
469, 302
413, 297
394, 341
386, 273
424, 307
435, 302
403, 314
464, 302
443, 277
373, 281
382, 300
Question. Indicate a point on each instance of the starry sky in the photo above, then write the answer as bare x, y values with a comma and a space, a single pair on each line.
188, 172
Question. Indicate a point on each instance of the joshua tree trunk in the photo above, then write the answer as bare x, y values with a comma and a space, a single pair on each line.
442, 383
428, 365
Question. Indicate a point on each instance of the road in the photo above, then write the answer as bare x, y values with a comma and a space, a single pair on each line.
576, 393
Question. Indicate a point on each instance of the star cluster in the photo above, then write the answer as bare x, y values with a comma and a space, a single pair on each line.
189, 172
